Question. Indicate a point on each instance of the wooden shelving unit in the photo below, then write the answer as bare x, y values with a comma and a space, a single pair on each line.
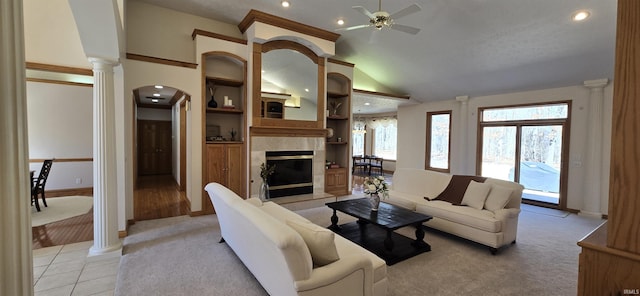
224, 75
337, 146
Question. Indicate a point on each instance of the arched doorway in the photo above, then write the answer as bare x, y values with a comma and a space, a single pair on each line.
159, 152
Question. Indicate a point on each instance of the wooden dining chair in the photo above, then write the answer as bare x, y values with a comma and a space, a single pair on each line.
359, 163
38, 185
375, 166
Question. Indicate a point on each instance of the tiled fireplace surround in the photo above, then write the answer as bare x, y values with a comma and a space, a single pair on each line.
260, 145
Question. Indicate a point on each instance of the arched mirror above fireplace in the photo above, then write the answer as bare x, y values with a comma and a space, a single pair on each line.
291, 89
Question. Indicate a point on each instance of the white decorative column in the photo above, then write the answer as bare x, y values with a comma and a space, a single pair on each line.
105, 211
463, 135
16, 263
593, 167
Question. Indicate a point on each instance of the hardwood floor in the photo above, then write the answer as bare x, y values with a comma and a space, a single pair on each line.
158, 197
72, 230
155, 197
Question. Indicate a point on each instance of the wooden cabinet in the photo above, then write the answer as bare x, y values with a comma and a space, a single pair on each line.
338, 145
225, 165
335, 181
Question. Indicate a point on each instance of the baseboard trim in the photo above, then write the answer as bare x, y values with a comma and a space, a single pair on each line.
198, 213
125, 233
88, 191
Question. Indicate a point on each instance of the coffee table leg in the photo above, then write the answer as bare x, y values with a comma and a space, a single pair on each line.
388, 242
334, 222
419, 242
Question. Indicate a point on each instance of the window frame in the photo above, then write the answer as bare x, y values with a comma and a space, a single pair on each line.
566, 126
427, 161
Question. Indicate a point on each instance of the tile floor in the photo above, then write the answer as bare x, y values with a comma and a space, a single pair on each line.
66, 270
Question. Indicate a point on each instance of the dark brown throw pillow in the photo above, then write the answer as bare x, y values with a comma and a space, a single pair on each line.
457, 187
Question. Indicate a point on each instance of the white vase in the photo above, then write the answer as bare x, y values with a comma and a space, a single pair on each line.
374, 199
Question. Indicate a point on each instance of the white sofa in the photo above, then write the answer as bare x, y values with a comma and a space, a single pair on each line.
263, 237
493, 228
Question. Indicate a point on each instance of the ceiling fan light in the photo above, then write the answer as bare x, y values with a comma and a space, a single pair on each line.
156, 95
155, 100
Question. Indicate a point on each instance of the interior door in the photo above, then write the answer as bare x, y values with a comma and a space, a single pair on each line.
154, 147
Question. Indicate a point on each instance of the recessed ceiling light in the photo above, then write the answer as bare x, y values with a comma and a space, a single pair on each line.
285, 3
159, 86
340, 22
155, 100
156, 95
367, 104
306, 89
580, 15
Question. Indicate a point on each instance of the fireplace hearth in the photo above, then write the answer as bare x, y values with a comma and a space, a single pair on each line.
293, 173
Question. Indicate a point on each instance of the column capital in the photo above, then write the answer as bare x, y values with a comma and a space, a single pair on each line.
597, 83
101, 63
462, 99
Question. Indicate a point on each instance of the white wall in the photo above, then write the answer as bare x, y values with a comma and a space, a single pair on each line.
51, 35
61, 126
412, 133
160, 32
154, 114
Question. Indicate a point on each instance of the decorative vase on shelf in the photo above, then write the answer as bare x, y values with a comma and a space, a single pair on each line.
212, 103
264, 191
374, 199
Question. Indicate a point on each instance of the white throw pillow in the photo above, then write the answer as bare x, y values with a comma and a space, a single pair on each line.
476, 194
498, 198
320, 242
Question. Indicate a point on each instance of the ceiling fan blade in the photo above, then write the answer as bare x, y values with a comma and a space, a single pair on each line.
406, 11
353, 28
364, 11
406, 29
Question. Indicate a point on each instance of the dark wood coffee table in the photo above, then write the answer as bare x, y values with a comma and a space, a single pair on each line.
381, 240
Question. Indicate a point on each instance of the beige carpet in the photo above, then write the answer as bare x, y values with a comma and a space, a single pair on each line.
60, 208
182, 256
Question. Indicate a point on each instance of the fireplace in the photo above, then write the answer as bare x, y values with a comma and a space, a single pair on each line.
293, 172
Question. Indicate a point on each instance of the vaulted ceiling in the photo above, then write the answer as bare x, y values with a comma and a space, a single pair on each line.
465, 47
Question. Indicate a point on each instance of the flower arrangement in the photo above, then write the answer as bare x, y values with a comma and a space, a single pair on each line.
266, 171
376, 185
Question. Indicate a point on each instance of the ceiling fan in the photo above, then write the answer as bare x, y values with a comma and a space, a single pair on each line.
381, 19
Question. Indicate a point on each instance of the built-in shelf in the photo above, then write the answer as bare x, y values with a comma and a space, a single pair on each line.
337, 143
224, 142
225, 81
332, 94
224, 110
337, 117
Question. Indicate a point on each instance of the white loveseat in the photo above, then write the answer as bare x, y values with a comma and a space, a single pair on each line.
278, 254
494, 228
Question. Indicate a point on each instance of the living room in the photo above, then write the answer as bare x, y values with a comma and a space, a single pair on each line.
411, 119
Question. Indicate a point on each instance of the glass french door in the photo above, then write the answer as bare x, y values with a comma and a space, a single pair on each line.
527, 153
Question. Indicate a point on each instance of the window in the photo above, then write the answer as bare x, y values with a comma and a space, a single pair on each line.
526, 144
385, 137
438, 141
358, 135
